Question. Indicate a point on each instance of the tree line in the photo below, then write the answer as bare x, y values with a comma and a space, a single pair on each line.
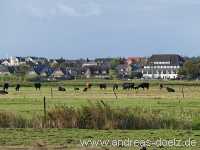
190, 69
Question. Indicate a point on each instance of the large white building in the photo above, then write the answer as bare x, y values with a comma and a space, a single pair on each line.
164, 66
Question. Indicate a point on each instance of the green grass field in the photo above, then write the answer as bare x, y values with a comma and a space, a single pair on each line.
29, 102
64, 139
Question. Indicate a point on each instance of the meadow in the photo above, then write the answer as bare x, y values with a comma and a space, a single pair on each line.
29, 102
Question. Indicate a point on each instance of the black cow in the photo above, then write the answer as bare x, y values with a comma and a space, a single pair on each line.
2, 92
103, 86
128, 86
38, 86
76, 89
143, 86
115, 87
161, 86
5, 86
85, 89
170, 89
60, 88
18, 87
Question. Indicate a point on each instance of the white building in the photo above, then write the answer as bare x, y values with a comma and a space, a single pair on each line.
164, 66
14, 61
89, 64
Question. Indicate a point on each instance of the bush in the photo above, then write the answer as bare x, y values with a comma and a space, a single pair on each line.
102, 116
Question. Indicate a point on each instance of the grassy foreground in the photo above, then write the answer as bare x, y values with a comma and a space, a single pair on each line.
63, 139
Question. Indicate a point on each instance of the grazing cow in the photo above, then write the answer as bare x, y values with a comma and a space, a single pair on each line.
85, 89
18, 87
76, 89
2, 92
132, 85
170, 89
60, 88
38, 86
161, 86
128, 86
125, 86
143, 86
103, 86
5, 87
115, 87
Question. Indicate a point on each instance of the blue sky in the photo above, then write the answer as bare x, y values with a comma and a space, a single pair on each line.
99, 28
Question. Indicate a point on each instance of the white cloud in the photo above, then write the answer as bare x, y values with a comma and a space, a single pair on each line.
61, 8
67, 10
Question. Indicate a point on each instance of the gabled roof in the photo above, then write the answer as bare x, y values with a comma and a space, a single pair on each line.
47, 70
174, 59
43, 69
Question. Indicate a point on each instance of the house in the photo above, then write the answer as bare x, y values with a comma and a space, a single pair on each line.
72, 72
46, 71
14, 61
123, 70
53, 63
58, 73
135, 64
30, 60
137, 60
5, 62
94, 69
90, 64
163, 66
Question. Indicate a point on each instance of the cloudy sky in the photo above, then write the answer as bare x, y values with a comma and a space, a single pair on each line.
99, 28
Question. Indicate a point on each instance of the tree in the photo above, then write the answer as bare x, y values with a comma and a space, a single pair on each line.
23, 70
115, 62
113, 73
190, 69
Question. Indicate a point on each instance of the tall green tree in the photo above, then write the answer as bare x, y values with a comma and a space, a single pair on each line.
190, 69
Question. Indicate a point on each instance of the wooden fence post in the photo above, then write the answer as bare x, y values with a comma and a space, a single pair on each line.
183, 92
115, 94
51, 93
45, 112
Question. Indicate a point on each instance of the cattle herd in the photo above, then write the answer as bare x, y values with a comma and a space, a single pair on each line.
17, 88
102, 86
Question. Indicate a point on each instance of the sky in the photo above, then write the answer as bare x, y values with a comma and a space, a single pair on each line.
99, 28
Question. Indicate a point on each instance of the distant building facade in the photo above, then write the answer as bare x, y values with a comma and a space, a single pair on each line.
163, 66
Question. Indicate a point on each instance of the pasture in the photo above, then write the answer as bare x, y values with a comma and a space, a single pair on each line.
29, 102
